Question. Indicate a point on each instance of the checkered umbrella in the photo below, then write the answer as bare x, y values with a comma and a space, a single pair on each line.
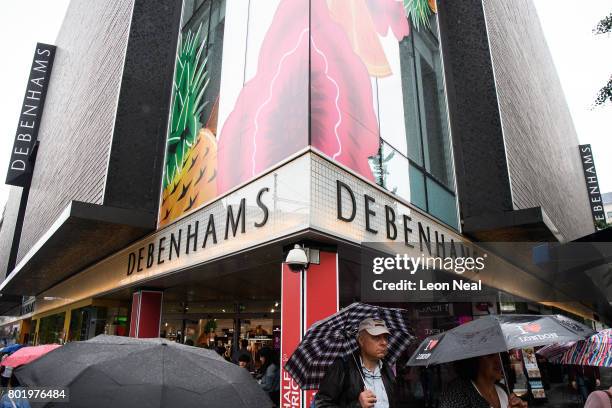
336, 337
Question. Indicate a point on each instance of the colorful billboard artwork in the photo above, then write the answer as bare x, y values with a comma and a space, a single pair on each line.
313, 82
343, 121
363, 21
191, 151
269, 121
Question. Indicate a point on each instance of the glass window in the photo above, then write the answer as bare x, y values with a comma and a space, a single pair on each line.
192, 131
393, 167
427, 128
192, 9
208, 20
410, 96
86, 323
441, 202
434, 125
188, 9
51, 329
417, 188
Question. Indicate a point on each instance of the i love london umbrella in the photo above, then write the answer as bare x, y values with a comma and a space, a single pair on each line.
594, 351
336, 337
26, 355
495, 334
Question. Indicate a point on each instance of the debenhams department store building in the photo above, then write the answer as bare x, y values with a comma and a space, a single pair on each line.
186, 148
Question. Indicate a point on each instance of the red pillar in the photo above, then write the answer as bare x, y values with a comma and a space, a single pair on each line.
306, 298
145, 318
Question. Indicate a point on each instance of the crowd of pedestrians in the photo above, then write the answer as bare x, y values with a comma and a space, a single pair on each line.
364, 380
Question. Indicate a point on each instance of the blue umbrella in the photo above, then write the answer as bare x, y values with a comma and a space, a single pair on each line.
11, 349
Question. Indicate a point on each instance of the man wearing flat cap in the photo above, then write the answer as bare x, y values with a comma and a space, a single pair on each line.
361, 380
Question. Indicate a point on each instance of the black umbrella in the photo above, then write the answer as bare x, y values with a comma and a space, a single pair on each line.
336, 337
113, 371
495, 334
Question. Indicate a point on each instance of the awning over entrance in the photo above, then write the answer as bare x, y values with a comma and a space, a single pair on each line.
585, 253
526, 225
83, 234
589, 257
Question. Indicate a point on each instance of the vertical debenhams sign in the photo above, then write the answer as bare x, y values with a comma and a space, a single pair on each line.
20, 166
592, 184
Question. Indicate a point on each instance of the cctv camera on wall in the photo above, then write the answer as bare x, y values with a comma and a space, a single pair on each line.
297, 259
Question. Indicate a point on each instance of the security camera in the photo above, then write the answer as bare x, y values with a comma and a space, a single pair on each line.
297, 259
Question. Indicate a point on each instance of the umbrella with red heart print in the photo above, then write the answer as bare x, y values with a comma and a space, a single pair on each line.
495, 334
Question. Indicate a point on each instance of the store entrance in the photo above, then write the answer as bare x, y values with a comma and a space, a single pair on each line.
227, 333
231, 309
223, 304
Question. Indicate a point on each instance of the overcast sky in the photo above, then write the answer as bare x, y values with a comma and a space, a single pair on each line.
583, 60
23, 23
584, 64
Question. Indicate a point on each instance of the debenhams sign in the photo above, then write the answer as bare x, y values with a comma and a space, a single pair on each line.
196, 236
258, 213
22, 157
286, 201
592, 184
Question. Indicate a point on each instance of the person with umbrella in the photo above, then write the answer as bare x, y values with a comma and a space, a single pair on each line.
583, 358
363, 379
483, 339
333, 352
477, 386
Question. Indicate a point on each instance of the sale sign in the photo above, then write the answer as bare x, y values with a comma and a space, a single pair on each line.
307, 297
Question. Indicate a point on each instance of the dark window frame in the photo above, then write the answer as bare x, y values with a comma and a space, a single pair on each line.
427, 35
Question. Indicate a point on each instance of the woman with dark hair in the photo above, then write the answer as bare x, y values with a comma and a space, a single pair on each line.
477, 386
270, 382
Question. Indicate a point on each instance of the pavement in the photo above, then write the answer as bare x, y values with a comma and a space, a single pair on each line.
561, 395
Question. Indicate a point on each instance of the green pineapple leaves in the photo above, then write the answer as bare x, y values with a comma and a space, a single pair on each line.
190, 83
419, 12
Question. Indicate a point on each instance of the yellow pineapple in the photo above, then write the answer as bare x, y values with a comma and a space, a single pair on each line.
195, 183
190, 166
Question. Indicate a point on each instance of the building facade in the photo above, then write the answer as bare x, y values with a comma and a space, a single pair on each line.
186, 147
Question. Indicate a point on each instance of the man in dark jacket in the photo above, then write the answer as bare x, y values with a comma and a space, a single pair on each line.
362, 380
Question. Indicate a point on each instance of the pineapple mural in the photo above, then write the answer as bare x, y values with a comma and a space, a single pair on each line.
419, 11
191, 151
